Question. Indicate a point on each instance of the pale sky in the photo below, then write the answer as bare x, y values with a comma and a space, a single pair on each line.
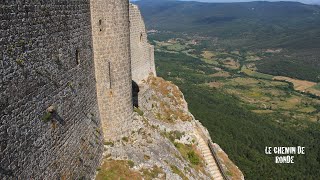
303, 1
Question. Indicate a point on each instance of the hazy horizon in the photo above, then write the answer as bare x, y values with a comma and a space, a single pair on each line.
230, 1
302, 1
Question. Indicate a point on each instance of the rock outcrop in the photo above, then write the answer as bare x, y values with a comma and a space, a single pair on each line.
165, 141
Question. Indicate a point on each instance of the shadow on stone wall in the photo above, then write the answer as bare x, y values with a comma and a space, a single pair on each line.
135, 92
6, 172
58, 118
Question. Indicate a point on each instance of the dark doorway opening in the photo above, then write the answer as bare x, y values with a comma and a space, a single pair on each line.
135, 93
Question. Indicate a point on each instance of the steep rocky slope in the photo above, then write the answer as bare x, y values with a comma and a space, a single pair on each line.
165, 141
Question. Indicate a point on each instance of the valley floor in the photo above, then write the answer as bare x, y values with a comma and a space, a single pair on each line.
243, 109
235, 73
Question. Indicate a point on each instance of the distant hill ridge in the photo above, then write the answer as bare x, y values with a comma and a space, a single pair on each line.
273, 23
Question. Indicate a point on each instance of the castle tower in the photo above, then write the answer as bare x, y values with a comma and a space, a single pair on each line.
111, 46
142, 53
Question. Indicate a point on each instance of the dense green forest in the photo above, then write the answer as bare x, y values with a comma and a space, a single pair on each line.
240, 132
299, 64
252, 24
291, 26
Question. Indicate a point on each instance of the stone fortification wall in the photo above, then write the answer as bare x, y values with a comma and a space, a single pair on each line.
46, 59
142, 53
66, 80
111, 44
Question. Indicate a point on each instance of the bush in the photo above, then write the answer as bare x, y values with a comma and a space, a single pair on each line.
130, 163
109, 143
126, 139
193, 158
137, 110
46, 117
176, 170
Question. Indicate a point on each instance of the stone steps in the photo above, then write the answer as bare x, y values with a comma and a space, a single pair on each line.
208, 158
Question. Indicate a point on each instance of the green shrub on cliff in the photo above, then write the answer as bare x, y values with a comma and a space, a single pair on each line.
193, 158
137, 110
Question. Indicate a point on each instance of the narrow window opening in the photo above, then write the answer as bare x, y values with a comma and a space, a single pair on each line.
141, 37
110, 83
100, 23
77, 57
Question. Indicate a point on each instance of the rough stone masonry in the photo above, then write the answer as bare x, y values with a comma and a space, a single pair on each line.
65, 85
142, 53
111, 45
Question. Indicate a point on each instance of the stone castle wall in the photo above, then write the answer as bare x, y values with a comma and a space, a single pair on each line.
111, 44
74, 58
46, 59
142, 53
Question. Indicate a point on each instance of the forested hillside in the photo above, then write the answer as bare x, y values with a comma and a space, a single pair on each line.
226, 58
292, 26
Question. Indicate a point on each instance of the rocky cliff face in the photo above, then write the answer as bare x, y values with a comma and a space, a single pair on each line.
165, 141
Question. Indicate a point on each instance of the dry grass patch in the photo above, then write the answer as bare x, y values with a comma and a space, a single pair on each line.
231, 63
176, 170
113, 169
221, 74
252, 58
255, 93
207, 54
300, 85
309, 109
209, 57
243, 81
215, 84
289, 103
262, 111
173, 107
276, 83
155, 172
176, 47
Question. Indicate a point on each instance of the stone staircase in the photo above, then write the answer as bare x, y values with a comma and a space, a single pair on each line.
209, 159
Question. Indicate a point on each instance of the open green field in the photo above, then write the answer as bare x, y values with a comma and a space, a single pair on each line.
256, 74
245, 110
317, 87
